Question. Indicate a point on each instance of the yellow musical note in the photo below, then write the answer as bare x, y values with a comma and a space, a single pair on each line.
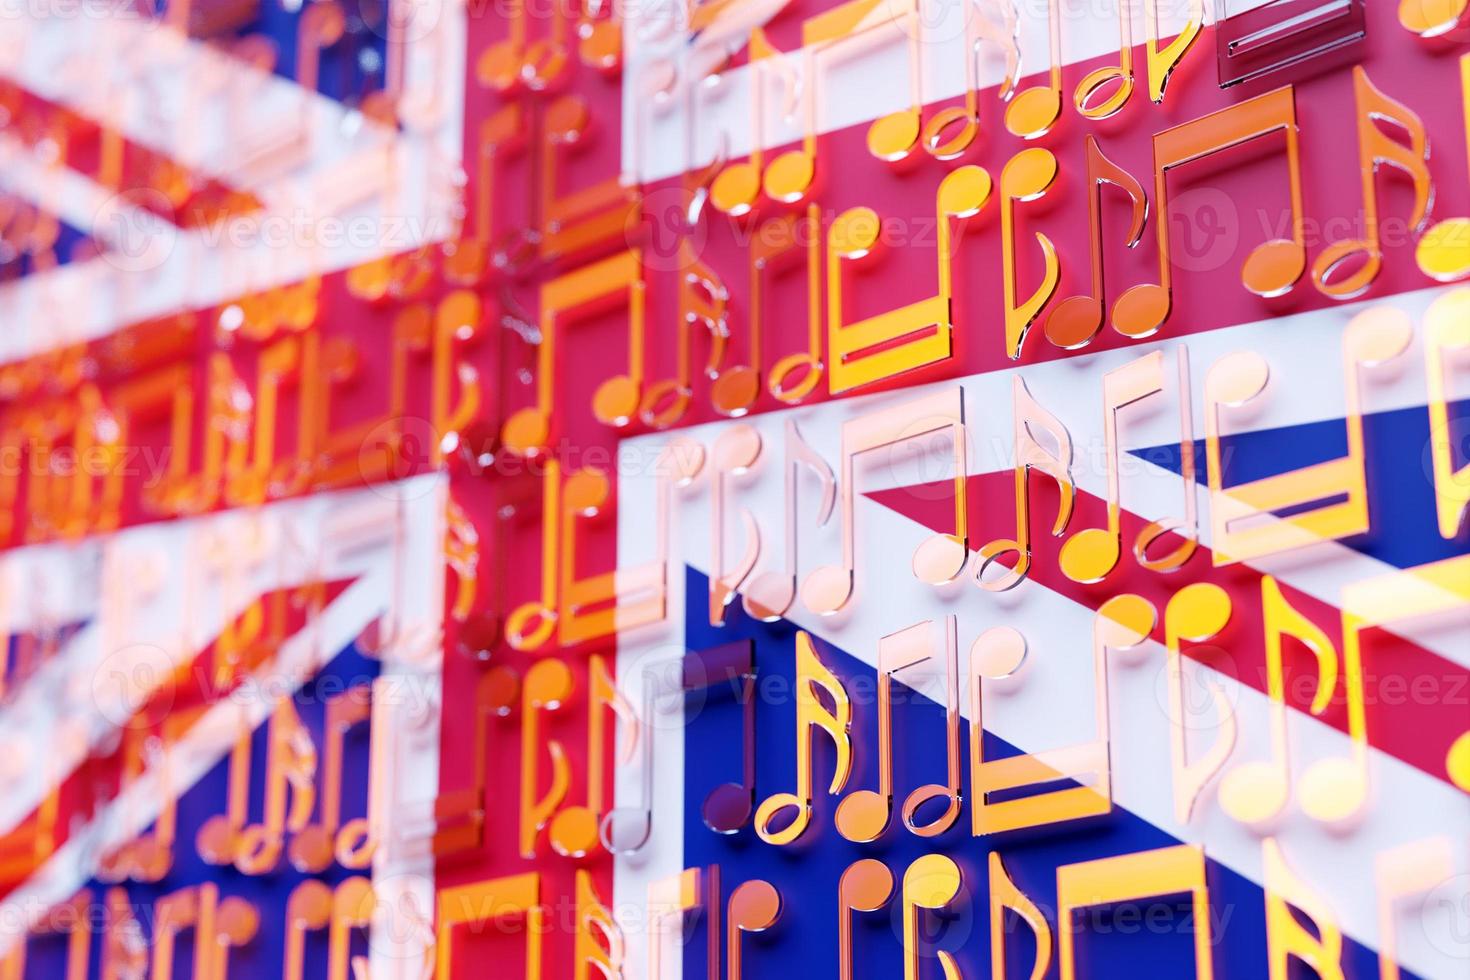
1036, 109
940, 558
491, 900
1443, 252
811, 715
1196, 613
1372, 338
1288, 898
1431, 18
1375, 149
1447, 339
547, 687
932, 881
863, 815
907, 337
1127, 877
1004, 897
574, 831
1027, 176
1123, 622
1029, 418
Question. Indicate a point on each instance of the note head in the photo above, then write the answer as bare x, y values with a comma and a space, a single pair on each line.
1255, 793
1430, 18
894, 136
769, 595
1074, 322
998, 653
942, 147
735, 189
499, 66
1089, 555
964, 191
940, 559
1273, 267
1125, 621
863, 815
919, 799
932, 881
808, 373
866, 885
1029, 174
236, 921
1198, 612
530, 626
1360, 258
216, 841
1092, 98
1443, 253
311, 850
625, 830
1333, 792
1032, 113
775, 831
1142, 310
544, 64
827, 589
526, 432
728, 808
616, 401
601, 45
663, 404
755, 905
735, 391
789, 176
574, 832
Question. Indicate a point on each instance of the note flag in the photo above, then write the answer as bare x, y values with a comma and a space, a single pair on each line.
1027, 176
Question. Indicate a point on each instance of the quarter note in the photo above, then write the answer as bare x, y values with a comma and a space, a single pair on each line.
864, 814
1091, 553
1036, 109
1089, 99
939, 559
1375, 149
1077, 319
738, 185
770, 594
728, 807
931, 882
1196, 613
755, 906
615, 401
1028, 419
735, 452
811, 715
1447, 340
866, 885
574, 831
1027, 176
939, 136
1243, 517
907, 337
1272, 268
314, 846
547, 687
1164, 871
1004, 897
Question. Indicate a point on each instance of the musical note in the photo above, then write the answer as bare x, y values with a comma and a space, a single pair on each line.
670, 901
703, 301
574, 831
308, 909
516, 60
599, 940
795, 375
73, 919
1447, 339
460, 814
1443, 252
811, 715
615, 402
547, 687
1027, 176
729, 805
581, 608
1077, 319
1431, 18
124, 947
467, 258
907, 337
1196, 613
755, 906
1288, 900
770, 594
738, 185
1121, 623
940, 558
1028, 418
580, 221
1161, 63
1091, 553
980, 28
1128, 877
353, 904
1273, 267
1036, 109
866, 885
1336, 487
1120, 76
314, 846
218, 925
148, 857
932, 882
735, 451
863, 815
1405, 872
491, 900
1375, 149
1004, 897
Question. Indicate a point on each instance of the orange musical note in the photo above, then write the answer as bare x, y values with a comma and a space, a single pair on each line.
314, 846
148, 857
218, 925
467, 257
460, 814
1431, 18
1127, 877
582, 608
574, 831
1077, 319
939, 559
547, 687
866, 885
615, 402
1123, 622
1029, 418
1242, 516
124, 947
1288, 901
735, 451
488, 901
811, 715
1272, 268
754, 906
1196, 613
308, 909
670, 901
1004, 897
577, 222
1036, 109
1091, 553
770, 594
1376, 149
312, 907
1027, 176
516, 60
1447, 339
907, 337
863, 815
